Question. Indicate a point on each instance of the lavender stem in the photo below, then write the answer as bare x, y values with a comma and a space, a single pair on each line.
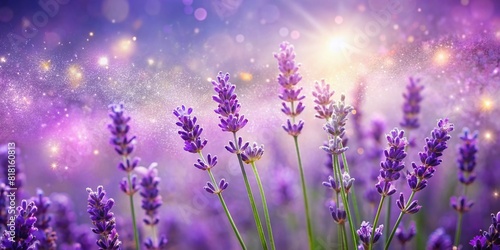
132, 208
264, 204
375, 221
304, 192
345, 201
352, 191
393, 231
256, 216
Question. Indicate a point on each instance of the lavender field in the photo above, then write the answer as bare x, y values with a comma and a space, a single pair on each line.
232, 124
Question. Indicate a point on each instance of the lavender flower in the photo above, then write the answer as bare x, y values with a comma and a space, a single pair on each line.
336, 125
288, 80
228, 105
99, 209
24, 238
439, 240
151, 201
430, 158
393, 164
467, 157
45, 234
190, 132
405, 236
489, 238
120, 139
252, 153
322, 98
338, 213
365, 233
411, 106
461, 204
412, 208
331, 183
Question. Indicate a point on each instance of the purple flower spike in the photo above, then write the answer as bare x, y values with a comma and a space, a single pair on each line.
336, 125
190, 132
45, 234
24, 228
439, 240
150, 193
461, 204
338, 213
467, 157
405, 236
348, 181
385, 188
252, 153
99, 209
365, 233
488, 239
124, 145
411, 106
288, 79
228, 106
411, 209
322, 98
235, 150
430, 157
393, 163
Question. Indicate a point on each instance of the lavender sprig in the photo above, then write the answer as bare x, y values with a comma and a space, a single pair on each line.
405, 236
466, 164
288, 79
389, 169
369, 235
151, 202
99, 209
228, 109
411, 106
417, 180
24, 224
191, 134
45, 234
124, 146
486, 240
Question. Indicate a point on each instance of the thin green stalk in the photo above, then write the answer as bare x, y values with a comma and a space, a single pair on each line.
353, 194
344, 236
399, 221
459, 229
256, 216
226, 210
264, 204
132, 209
388, 217
375, 221
304, 192
346, 203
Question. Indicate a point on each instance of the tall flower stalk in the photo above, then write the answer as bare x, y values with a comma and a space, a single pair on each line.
466, 164
288, 79
335, 128
418, 178
99, 209
124, 145
389, 172
252, 154
228, 109
151, 202
190, 132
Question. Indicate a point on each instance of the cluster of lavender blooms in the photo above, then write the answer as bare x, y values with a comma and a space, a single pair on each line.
490, 238
99, 209
411, 105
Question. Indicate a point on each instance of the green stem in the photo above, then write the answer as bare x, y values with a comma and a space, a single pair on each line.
388, 217
375, 221
393, 231
345, 201
264, 204
256, 216
132, 209
304, 192
459, 229
226, 210
344, 236
353, 194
